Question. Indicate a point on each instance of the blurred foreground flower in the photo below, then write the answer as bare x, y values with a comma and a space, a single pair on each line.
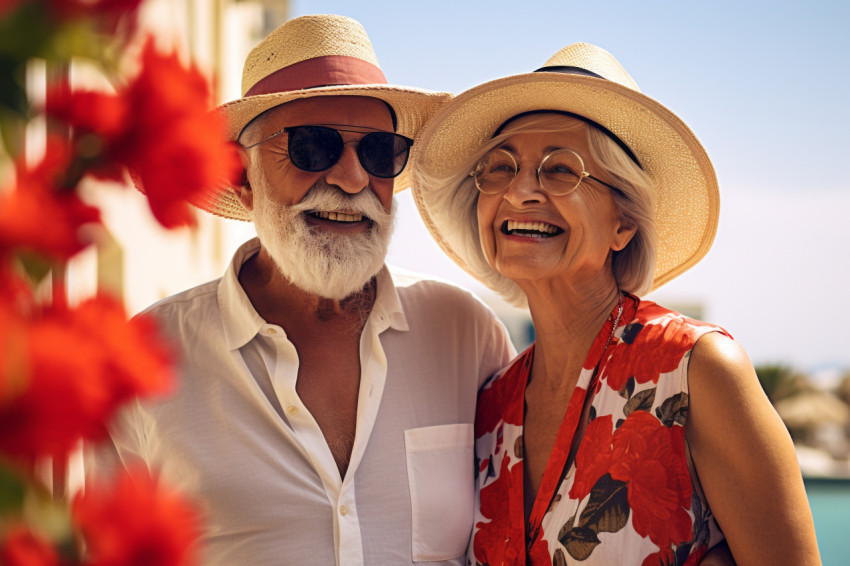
136, 522
159, 128
39, 215
20, 547
66, 371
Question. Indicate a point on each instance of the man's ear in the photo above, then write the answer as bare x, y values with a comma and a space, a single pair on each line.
243, 190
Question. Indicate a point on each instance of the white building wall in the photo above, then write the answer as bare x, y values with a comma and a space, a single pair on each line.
139, 260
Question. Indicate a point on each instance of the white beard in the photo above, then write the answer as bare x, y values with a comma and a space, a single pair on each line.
325, 263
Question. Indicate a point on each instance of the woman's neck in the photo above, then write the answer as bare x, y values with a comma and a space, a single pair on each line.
567, 319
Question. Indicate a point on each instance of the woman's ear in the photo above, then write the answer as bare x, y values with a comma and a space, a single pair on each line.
624, 234
243, 190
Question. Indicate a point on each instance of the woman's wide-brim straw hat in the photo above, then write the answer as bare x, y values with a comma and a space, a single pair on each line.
312, 56
586, 80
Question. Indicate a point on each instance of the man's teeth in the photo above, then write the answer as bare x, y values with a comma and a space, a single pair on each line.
339, 216
533, 229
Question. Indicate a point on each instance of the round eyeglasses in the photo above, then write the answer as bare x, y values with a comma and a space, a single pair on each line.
318, 147
560, 172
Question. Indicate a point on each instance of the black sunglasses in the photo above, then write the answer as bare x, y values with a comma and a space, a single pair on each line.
317, 148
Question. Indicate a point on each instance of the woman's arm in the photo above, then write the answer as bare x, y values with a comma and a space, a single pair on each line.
745, 459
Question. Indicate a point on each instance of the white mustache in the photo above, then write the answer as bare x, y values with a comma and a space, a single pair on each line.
327, 198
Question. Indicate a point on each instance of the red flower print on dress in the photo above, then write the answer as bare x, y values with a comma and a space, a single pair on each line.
497, 401
39, 216
500, 540
599, 344
696, 556
647, 351
593, 457
70, 370
136, 521
650, 458
538, 554
664, 557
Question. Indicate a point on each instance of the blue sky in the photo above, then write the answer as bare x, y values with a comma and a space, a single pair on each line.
764, 85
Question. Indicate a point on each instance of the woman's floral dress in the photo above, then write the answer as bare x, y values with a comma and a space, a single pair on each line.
631, 496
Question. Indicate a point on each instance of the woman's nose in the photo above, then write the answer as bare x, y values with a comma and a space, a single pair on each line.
525, 188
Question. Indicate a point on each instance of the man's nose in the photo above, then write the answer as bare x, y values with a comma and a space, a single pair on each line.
347, 173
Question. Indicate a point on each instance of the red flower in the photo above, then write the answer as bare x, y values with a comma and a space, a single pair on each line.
593, 457
175, 146
160, 129
107, 13
71, 370
23, 548
37, 215
650, 458
501, 399
134, 358
696, 556
664, 557
500, 541
538, 554
647, 352
136, 522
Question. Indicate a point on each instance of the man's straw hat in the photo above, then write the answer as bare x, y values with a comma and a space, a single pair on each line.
585, 80
309, 56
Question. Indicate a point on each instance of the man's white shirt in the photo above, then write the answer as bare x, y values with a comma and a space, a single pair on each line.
236, 438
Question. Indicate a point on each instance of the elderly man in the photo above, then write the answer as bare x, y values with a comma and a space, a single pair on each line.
324, 406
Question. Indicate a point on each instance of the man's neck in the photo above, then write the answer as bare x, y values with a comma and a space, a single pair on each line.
278, 301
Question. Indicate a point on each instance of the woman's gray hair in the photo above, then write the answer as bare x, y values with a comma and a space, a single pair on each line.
455, 194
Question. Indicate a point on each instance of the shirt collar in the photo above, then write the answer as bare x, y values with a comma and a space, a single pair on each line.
387, 311
238, 316
242, 322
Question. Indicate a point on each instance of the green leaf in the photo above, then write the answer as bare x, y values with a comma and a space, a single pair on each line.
25, 32
628, 388
565, 528
642, 401
630, 332
13, 94
607, 510
12, 125
35, 267
580, 542
673, 410
608, 507
52, 517
559, 559
12, 488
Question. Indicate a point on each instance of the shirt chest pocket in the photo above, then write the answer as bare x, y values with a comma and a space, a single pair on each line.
440, 476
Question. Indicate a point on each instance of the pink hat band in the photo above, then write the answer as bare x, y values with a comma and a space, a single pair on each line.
318, 72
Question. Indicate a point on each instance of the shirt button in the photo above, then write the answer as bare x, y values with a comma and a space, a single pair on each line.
271, 331
343, 510
292, 410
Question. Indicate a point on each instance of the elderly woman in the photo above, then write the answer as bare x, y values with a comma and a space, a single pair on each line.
628, 433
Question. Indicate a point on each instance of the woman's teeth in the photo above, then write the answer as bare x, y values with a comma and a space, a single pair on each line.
532, 229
